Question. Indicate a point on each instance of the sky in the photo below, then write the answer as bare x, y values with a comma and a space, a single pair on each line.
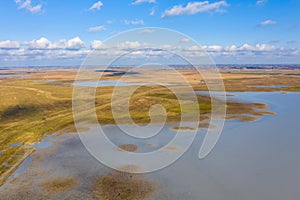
56, 32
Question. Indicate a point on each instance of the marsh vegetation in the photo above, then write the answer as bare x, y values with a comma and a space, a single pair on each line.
31, 109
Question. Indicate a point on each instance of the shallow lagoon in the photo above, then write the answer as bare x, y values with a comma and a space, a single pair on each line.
252, 160
267, 86
5, 76
103, 83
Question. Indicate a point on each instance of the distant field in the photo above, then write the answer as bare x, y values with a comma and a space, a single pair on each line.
39, 102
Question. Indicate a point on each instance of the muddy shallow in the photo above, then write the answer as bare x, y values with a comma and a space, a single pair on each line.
252, 160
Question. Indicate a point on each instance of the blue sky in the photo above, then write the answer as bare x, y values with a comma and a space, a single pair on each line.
265, 31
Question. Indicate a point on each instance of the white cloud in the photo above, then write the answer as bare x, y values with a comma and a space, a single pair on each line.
27, 5
8, 44
195, 7
267, 22
75, 43
35, 9
75, 48
44, 44
136, 2
129, 45
24, 4
213, 48
96, 6
265, 47
133, 22
261, 2
97, 28
257, 47
97, 44
152, 12
193, 48
233, 48
42, 51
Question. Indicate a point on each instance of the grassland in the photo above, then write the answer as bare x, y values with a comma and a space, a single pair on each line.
34, 106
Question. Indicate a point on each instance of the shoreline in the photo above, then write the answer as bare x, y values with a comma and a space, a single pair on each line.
14, 167
58, 93
73, 129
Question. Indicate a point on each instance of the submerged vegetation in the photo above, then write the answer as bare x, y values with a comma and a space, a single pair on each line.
123, 186
128, 147
59, 184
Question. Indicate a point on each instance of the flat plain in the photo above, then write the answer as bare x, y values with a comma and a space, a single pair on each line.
36, 103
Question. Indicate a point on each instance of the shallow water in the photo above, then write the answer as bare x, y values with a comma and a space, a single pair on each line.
45, 143
44, 80
5, 76
21, 169
15, 144
103, 83
252, 160
267, 86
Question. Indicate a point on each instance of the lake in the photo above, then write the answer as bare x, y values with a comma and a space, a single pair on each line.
104, 83
252, 160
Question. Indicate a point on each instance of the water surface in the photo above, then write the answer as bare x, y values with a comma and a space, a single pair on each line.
103, 83
252, 160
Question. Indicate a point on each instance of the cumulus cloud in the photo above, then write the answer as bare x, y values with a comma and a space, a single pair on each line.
96, 6
8, 44
136, 2
27, 5
75, 48
133, 22
261, 2
193, 50
97, 44
195, 7
40, 50
257, 47
266, 23
245, 53
96, 28
213, 48
233, 48
44, 44
75, 44
129, 45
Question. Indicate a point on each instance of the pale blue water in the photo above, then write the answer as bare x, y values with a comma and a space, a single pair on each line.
45, 143
104, 83
11, 76
253, 160
266, 86
15, 144
44, 80
21, 169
